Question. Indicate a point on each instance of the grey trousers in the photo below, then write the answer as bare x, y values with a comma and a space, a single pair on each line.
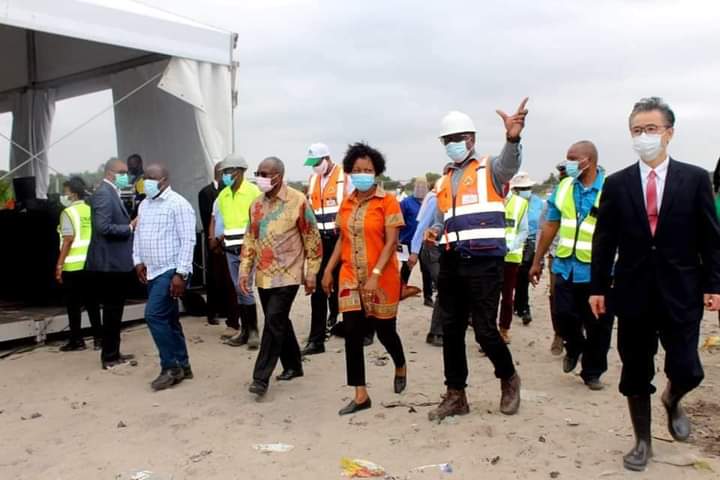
431, 257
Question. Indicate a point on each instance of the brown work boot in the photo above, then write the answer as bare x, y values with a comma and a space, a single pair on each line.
510, 400
454, 403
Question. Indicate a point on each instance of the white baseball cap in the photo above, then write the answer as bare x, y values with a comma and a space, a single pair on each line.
522, 180
315, 153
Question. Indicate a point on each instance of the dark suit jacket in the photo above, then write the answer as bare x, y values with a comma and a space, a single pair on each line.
111, 243
206, 198
676, 266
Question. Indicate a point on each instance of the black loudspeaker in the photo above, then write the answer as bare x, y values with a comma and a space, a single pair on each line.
24, 189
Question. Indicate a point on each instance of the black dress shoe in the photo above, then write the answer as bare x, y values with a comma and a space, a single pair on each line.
428, 302
570, 362
187, 371
353, 407
526, 318
168, 378
107, 364
73, 346
258, 388
212, 320
97, 343
400, 383
594, 383
289, 374
313, 348
367, 341
126, 357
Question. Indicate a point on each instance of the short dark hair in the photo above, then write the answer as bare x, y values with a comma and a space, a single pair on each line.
77, 186
650, 104
363, 150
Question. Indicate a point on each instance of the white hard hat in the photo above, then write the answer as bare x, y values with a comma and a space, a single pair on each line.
316, 152
456, 122
521, 180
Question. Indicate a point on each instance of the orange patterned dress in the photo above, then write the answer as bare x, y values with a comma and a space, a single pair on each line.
362, 238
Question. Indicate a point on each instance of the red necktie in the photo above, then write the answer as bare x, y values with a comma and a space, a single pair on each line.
652, 209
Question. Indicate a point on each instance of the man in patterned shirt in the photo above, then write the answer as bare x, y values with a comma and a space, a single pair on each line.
162, 254
281, 237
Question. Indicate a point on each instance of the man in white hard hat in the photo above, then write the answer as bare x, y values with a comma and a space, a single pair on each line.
516, 232
470, 227
328, 187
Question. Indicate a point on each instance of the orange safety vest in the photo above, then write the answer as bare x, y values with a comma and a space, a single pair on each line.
474, 219
326, 201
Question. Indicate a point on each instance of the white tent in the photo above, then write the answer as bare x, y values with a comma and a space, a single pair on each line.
172, 81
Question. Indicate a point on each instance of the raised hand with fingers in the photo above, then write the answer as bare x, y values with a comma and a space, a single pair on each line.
515, 123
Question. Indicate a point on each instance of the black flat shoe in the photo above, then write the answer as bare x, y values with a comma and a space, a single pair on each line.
73, 346
289, 374
188, 373
353, 407
313, 348
400, 383
570, 362
258, 388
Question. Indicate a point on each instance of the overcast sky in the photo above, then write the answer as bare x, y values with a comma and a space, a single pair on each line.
386, 72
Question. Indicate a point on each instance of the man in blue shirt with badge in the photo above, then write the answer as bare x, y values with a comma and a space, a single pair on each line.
572, 213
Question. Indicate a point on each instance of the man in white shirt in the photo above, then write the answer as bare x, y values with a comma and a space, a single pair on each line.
163, 253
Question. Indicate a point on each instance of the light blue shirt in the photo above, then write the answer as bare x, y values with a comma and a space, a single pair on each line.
219, 223
584, 201
535, 210
424, 221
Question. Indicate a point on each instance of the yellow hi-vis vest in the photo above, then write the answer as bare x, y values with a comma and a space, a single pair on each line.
235, 211
80, 216
573, 238
515, 209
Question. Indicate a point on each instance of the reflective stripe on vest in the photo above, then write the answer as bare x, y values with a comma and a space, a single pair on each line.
574, 240
515, 210
81, 219
235, 211
475, 216
326, 201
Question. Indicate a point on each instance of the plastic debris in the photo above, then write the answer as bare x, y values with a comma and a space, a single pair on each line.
711, 342
273, 447
357, 468
442, 467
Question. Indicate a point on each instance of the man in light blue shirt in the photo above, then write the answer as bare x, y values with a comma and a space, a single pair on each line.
584, 335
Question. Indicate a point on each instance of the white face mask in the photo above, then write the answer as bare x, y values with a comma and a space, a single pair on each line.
65, 201
648, 146
321, 168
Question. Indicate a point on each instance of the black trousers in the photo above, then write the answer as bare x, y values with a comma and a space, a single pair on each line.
79, 293
522, 287
430, 257
111, 290
357, 326
319, 302
470, 287
638, 343
582, 332
278, 336
221, 296
427, 281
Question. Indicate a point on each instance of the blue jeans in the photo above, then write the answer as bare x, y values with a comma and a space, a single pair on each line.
234, 267
163, 319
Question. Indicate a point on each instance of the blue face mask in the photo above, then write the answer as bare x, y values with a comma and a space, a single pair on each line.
227, 179
152, 188
524, 194
363, 181
457, 151
572, 168
122, 180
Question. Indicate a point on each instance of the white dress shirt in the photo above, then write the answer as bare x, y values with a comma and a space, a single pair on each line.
165, 234
117, 190
661, 175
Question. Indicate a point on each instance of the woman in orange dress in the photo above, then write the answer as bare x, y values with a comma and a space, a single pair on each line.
369, 222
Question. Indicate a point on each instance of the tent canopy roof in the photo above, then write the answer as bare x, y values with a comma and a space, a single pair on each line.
48, 43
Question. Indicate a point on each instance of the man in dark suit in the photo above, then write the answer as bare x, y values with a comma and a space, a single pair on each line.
221, 300
658, 216
110, 256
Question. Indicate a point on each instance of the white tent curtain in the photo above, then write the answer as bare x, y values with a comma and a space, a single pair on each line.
208, 88
33, 112
164, 130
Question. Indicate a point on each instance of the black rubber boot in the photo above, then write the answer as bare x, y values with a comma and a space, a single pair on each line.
640, 414
678, 422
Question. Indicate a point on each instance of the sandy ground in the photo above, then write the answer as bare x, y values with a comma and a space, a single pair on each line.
205, 428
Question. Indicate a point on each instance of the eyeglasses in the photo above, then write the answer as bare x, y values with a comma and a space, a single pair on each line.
455, 137
649, 129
